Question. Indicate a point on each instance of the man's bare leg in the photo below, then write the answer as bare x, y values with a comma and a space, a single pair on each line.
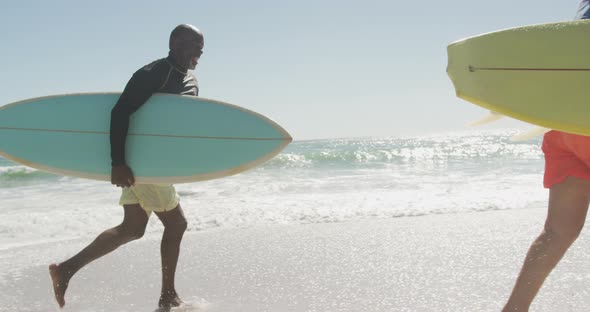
174, 226
568, 205
132, 227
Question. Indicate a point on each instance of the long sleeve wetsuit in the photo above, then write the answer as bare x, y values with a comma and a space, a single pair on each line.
161, 76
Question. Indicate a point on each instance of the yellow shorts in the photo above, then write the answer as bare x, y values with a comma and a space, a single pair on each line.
150, 197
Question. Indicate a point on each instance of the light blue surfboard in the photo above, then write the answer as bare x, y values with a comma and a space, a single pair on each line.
171, 139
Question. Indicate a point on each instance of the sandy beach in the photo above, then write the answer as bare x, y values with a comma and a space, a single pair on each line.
452, 262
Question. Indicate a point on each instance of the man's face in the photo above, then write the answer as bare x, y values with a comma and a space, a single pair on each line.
189, 50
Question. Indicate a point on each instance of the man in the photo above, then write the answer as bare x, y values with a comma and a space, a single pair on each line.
167, 75
567, 176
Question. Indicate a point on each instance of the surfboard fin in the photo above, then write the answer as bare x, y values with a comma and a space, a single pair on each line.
489, 118
537, 131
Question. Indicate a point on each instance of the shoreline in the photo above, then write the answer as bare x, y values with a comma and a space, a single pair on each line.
456, 262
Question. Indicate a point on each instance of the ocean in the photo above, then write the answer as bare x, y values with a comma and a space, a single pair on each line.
314, 181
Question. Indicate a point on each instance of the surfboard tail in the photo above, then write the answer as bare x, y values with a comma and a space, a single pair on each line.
489, 118
535, 132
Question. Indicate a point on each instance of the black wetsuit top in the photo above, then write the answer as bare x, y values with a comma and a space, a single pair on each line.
161, 76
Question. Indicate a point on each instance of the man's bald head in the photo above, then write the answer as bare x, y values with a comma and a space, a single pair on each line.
185, 32
186, 45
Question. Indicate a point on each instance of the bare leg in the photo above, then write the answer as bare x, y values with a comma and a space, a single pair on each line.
132, 227
568, 205
174, 226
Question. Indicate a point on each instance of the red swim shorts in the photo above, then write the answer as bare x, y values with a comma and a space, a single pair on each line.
566, 155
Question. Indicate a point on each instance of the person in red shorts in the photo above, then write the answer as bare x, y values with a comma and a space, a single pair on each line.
567, 176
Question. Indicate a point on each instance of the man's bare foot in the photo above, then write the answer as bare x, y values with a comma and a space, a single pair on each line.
169, 300
60, 283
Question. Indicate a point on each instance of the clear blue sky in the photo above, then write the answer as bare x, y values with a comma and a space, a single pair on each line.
322, 69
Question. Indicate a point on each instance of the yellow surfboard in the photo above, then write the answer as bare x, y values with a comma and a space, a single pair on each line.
539, 74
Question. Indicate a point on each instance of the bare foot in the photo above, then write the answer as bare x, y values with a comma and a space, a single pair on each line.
60, 284
169, 300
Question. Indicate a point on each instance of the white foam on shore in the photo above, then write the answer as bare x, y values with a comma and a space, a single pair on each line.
312, 182
78, 208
